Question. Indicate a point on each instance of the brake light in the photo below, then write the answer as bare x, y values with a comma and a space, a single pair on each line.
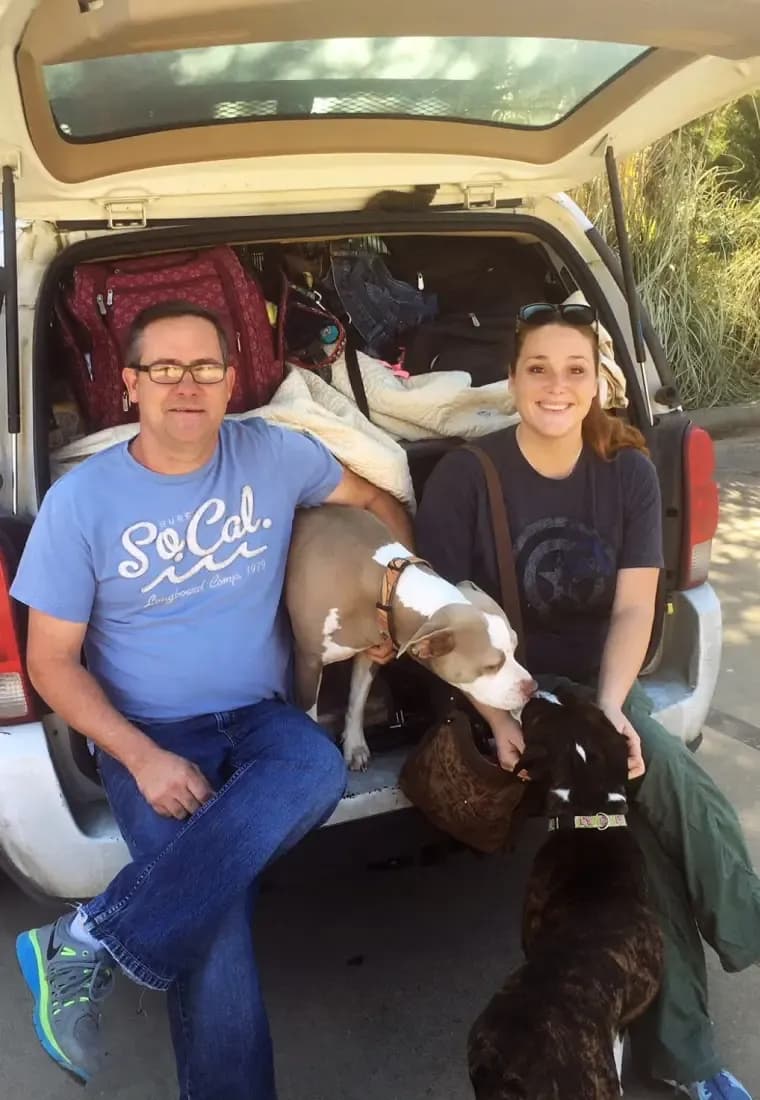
700, 506
16, 696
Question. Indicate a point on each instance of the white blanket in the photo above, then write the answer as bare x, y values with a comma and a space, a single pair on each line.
441, 404
305, 403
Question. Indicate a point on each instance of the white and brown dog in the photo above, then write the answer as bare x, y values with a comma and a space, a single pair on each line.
349, 586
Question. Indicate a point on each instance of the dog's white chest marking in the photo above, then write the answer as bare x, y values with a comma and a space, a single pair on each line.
418, 590
331, 651
391, 550
563, 793
617, 1054
615, 796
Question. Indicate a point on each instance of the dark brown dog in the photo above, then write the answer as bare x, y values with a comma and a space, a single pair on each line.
593, 949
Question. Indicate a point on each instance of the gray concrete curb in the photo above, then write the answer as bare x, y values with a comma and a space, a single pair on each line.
727, 419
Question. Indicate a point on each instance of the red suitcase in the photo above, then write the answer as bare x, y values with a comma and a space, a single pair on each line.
104, 298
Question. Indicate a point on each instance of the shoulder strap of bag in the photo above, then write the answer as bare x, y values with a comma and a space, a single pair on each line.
355, 378
510, 597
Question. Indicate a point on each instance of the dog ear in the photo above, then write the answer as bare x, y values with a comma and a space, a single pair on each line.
480, 599
427, 644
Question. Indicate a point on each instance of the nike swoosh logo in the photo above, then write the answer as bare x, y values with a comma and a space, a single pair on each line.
52, 947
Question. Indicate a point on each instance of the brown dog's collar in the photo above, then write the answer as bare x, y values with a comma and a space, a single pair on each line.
391, 577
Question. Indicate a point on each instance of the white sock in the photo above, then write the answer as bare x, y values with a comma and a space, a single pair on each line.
80, 933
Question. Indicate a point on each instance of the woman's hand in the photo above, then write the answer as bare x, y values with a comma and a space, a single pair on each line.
636, 765
382, 653
510, 745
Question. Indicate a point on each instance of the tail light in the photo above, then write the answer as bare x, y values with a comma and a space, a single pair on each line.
700, 506
16, 696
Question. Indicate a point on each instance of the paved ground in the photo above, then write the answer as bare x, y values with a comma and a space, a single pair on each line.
375, 970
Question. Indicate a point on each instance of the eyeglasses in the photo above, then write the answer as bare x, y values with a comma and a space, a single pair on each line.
204, 372
544, 313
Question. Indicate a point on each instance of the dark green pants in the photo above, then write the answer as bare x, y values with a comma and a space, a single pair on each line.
702, 886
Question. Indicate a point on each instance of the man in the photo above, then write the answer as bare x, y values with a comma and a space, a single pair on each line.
165, 560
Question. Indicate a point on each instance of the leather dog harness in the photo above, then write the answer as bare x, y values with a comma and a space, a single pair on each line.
600, 822
391, 577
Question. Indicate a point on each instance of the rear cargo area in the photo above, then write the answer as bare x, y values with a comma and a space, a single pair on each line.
403, 338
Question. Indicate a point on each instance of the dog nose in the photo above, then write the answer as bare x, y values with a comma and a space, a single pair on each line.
528, 687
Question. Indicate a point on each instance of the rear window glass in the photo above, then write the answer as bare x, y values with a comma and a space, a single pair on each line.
525, 82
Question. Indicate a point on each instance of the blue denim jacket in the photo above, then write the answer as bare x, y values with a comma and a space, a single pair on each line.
380, 307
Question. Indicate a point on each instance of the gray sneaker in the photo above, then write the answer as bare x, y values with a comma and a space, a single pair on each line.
68, 982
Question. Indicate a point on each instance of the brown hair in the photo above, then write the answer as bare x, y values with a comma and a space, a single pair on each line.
160, 312
605, 434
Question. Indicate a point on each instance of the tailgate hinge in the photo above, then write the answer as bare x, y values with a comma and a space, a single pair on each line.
129, 214
479, 196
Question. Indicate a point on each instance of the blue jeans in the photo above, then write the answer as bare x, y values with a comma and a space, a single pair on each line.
179, 917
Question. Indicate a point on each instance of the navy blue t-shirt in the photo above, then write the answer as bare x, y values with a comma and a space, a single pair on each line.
570, 537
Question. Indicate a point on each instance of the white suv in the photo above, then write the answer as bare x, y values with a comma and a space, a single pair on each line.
130, 127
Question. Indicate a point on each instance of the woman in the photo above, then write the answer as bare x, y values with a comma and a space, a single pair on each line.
585, 517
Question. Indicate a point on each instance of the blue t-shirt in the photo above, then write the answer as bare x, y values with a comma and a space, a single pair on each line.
179, 577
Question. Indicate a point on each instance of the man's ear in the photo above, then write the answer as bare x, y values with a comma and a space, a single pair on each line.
229, 379
129, 377
427, 643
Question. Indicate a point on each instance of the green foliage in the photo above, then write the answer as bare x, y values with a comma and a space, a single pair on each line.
731, 138
693, 211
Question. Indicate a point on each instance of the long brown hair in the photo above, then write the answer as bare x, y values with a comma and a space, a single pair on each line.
605, 434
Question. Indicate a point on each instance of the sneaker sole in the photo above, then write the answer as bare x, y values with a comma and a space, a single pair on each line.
29, 955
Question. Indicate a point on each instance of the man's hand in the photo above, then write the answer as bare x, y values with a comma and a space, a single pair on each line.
636, 765
173, 786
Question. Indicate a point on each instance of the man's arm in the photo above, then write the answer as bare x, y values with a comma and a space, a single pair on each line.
353, 489
174, 787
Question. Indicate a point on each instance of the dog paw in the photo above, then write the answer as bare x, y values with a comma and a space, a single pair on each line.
357, 757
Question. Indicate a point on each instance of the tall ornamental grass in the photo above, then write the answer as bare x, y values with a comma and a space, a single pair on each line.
696, 255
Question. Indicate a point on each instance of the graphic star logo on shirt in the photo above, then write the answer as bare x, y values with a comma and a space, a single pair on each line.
213, 540
564, 565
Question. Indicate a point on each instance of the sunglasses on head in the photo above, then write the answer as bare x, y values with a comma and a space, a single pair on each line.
544, 313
